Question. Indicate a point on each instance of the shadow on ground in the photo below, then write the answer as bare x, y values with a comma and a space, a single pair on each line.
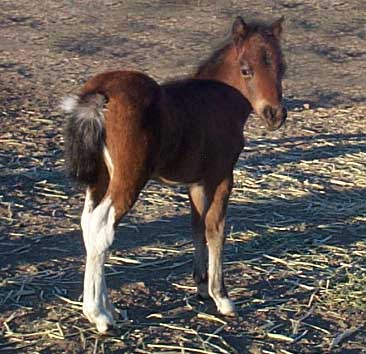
152, 287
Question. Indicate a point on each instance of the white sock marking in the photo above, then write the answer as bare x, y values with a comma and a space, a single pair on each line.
99, 235
223, 303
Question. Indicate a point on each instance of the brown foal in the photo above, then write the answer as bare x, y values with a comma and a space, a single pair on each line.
124, 128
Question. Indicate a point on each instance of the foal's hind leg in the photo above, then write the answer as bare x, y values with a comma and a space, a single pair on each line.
120, 193
89, 218
215, 223
99, 236
198, 201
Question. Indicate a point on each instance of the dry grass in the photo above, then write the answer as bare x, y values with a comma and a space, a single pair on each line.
295, 257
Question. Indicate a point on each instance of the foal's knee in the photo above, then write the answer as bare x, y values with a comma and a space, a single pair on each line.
214, 230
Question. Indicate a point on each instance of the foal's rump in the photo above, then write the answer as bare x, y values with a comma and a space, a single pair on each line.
113, 111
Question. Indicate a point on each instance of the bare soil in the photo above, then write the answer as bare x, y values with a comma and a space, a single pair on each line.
295, 259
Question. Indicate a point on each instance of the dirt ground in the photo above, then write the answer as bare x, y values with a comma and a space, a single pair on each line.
295, 258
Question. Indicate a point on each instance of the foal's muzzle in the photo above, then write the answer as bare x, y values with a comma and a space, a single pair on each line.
274, 117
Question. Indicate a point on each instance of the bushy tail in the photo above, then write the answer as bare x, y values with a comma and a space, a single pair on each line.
84, 136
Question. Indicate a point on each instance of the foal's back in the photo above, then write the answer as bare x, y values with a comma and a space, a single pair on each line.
206, 119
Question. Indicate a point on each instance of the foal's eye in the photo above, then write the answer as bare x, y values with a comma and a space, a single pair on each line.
246, 71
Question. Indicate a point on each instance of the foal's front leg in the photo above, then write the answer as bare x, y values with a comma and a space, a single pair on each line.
215, 223
198, 199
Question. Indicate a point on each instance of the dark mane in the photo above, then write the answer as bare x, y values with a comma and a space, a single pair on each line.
210, 64
213, 60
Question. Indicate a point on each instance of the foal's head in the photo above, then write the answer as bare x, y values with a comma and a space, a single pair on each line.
259, 66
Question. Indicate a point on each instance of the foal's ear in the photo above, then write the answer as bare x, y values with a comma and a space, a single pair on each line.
276, 27
239, 29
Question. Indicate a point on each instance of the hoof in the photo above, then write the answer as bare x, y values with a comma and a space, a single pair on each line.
104, 326
102, 318
226, 307
202, 291
231, 314
111, 331
203, 297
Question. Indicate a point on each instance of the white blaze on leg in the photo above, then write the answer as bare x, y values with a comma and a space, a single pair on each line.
99, 239
85, 221
223, 303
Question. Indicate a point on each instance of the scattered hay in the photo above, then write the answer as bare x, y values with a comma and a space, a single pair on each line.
295, 257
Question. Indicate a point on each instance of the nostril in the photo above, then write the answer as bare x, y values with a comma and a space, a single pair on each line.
273, 112
274, 116
269, 112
